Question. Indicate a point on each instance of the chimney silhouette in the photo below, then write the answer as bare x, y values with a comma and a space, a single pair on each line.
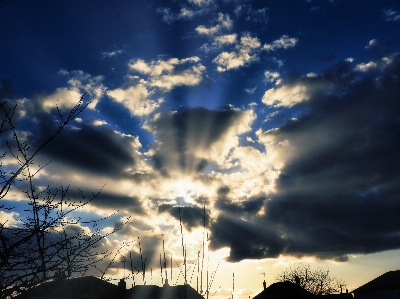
122, 284
166, 282
297, 279
264, 284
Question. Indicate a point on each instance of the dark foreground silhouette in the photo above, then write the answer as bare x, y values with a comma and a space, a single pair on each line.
386, 285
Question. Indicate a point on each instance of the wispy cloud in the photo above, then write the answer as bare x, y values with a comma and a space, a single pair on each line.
223, 22
257, 16
283, 42
111, 54
201, 2
391, 15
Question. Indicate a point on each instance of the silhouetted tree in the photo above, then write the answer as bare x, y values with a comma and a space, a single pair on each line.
317, 281
50, 243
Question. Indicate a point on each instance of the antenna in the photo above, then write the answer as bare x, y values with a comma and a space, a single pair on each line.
233, 282
162, 280
185, 266
202, 261
180, 223
165, 260
123, 261
208, 263
198, 270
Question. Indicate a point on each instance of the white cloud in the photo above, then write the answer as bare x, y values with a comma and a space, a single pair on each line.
167, 16
364, 67
372, 43
283, 42
201, 2
165, 75
245, 53
252, 15
272, 76
310, 75
220, 41
79, 83
226, 39
99, 122
186, 13
379, 64
141, 66
286, 95
64, 98
136, 99
223, 22
391, 15
111, 54
251, 90
9, 219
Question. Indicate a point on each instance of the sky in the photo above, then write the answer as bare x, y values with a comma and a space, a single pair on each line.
281, 118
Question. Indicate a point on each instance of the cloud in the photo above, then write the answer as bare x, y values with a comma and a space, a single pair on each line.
167, 16
373, 65
79, 83
63, 97
219, 42
189, 139
288, 95
284, 42
223, 22
257, 16
111, 54
391, 15
9, 219
245, 53
167, 74
336, 176
226, 39
201, 2
272, 77
185, 12
191, 217
94, 149
136, 99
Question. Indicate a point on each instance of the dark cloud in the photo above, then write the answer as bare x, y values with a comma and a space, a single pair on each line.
96, 149
246, 239
338, 193
187, 131
191, 216
119, 202
225, 203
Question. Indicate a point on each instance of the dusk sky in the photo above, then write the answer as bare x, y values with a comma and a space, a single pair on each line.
282, 117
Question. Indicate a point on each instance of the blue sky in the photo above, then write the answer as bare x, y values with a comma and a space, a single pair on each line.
281, 116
